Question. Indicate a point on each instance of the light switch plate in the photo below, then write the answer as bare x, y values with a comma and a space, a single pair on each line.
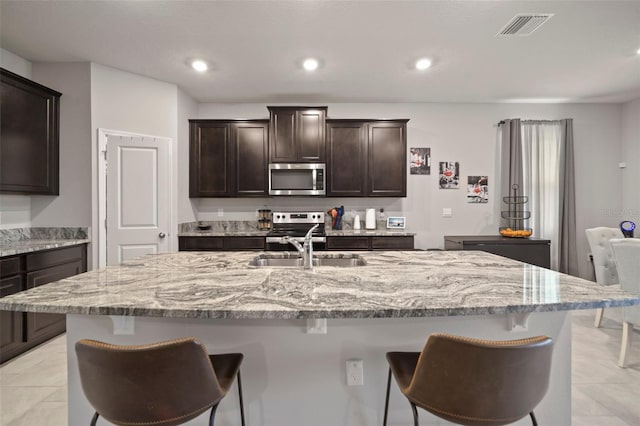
447, 212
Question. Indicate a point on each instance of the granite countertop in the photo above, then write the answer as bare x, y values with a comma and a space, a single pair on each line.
368, 233
249, 229
392, 284
328, 232
26, 240
218, 233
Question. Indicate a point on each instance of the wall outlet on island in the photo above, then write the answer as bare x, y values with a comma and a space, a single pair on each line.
220, 212
355, 372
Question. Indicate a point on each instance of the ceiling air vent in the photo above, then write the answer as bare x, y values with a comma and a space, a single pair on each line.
523, 24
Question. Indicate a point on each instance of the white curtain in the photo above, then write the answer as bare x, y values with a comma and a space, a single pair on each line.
541, 152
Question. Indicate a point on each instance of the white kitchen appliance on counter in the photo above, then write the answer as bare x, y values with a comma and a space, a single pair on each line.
356, 222
370, 219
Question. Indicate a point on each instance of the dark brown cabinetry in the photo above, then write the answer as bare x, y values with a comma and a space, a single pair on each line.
221, 243
403, 242
367, 158
29, 136
529, 250
23, 330
11, 323
228, 158
297, 134
346, 158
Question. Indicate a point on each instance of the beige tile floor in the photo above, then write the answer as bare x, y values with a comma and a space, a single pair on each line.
33, 389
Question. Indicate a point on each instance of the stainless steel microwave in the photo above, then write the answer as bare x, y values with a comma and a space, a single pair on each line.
297, 179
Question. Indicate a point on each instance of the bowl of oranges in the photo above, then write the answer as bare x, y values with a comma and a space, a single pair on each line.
516, 233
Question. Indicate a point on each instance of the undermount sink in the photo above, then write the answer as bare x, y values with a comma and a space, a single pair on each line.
293, 262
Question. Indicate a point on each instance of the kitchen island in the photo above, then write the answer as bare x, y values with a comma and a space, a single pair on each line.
294, 369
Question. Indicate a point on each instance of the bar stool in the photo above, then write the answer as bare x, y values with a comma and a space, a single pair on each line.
473, 382
167, 383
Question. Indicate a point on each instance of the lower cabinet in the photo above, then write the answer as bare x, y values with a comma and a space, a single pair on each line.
21, 331
258, 243
11, 323
529, 250
404, 242
220, 243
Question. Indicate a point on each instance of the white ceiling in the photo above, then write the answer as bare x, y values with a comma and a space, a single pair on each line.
585, 53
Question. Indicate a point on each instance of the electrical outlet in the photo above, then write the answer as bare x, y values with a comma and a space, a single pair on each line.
447, 212
355, 375
220, 212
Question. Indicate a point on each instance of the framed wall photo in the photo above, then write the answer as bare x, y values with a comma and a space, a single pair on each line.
420, 161
396, 222
449, 175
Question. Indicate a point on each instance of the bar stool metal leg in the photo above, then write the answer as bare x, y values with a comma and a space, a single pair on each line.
533, 419
415, 414
386, 401
212, 416
94, 419
240, 396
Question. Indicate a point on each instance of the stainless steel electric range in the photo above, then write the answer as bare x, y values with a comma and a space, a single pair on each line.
295, 225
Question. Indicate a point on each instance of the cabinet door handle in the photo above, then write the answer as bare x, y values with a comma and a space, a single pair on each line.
162, 235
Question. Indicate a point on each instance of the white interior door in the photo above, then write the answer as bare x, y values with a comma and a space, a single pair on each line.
137, 196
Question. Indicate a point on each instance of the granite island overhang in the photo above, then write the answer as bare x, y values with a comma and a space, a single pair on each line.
390, 285
392, 303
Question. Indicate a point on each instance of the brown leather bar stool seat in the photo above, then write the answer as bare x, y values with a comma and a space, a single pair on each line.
473, 382
167, 383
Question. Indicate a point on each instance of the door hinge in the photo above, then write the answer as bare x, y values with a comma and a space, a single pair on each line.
105, 155
105, 224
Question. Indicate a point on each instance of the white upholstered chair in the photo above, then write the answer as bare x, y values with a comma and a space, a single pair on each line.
603, 263
627, 256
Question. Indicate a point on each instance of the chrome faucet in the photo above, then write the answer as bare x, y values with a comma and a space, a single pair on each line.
306, 249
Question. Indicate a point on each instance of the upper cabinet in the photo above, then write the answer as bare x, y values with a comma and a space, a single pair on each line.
367, 158
228, 158
297, 134
29, 151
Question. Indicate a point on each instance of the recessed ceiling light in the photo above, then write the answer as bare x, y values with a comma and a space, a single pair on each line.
199, 65
423, 64
638, 51
310, 64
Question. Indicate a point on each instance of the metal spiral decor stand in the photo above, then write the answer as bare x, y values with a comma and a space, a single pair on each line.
516, 215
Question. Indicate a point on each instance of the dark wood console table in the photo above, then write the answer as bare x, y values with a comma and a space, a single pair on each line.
530, 250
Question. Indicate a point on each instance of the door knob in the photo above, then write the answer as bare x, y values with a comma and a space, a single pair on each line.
162, 235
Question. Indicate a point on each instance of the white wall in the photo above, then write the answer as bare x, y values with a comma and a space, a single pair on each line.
631, 156
187, 109
73, 206
464, 133
131, 103
15, 210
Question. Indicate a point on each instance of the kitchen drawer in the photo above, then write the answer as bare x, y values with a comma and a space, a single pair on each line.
11, 266
48, 258
392, 243
347, 243
244, 243
11, 285
200, 243
55, 273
